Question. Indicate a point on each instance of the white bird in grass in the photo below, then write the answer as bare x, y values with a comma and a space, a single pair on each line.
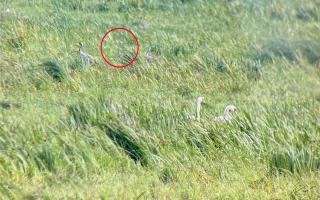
199, 101
149, 58
227, 113
86, 59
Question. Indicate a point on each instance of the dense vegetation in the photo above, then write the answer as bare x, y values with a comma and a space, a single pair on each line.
72, 131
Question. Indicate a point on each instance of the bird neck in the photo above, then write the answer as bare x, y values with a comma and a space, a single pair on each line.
198, 108
227, 116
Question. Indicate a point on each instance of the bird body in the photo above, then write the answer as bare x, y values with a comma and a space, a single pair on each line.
226, 117
149, 58
223, 118
227, 113
86, 59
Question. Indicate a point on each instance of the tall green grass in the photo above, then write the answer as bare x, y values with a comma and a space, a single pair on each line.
66, 130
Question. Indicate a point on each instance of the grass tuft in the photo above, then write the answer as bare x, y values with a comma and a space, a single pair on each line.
168, 176
290, 50
295, 161
306, 14
122, 136
309, 49
100, 7
55, 70
46, 159
277, 48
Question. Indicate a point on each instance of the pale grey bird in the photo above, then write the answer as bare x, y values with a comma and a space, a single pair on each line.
141, 24
149, 58
227, 113
199, 101
86, 59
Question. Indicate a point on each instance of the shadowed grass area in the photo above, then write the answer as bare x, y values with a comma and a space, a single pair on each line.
292, 51
123, 138
295, 160
55, 70
117, 132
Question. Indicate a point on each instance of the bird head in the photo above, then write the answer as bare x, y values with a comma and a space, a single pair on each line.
230, 109
81, 44
200, 99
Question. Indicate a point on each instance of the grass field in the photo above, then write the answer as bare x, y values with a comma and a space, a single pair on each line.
69, 131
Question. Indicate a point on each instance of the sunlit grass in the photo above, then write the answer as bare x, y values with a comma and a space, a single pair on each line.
67, 130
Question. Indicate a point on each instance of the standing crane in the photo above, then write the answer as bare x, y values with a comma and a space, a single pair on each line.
86, 59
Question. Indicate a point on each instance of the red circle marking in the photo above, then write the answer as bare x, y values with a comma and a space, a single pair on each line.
132, 60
